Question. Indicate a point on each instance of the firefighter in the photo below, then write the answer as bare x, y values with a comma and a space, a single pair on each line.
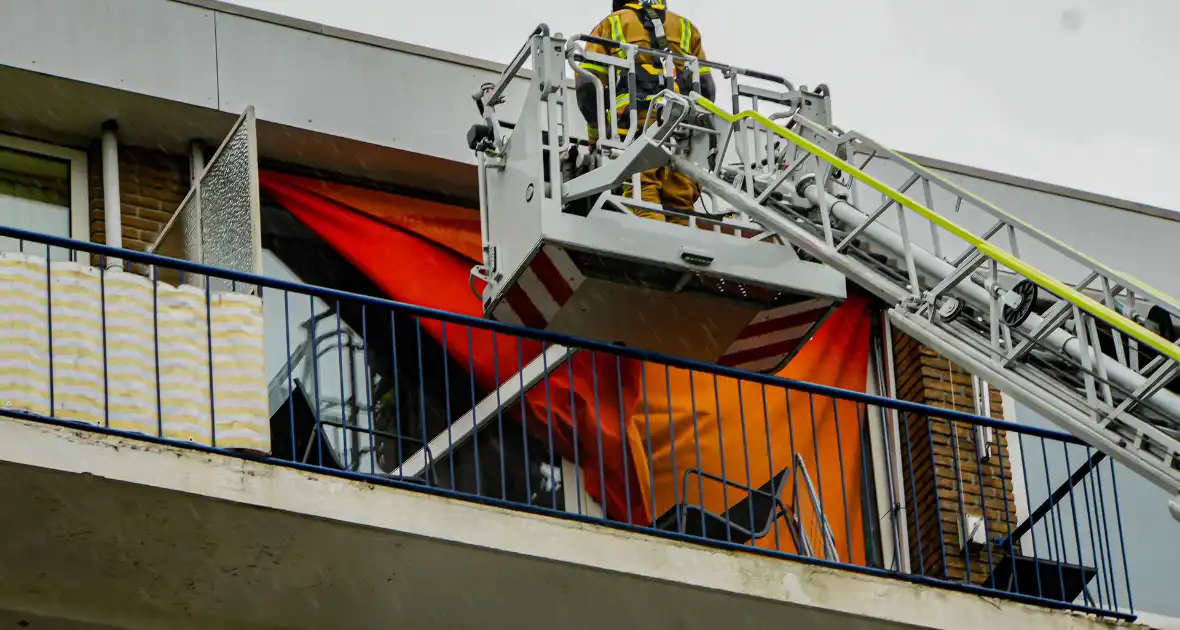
650, 24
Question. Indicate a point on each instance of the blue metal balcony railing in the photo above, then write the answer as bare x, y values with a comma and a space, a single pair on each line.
362, 387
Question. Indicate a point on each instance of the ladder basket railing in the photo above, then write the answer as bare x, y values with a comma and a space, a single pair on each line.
619, 65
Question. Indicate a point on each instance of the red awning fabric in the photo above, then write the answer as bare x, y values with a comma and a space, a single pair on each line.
418, 260
639, 416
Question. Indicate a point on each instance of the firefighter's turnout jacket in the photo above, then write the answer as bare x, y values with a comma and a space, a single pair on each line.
633, 25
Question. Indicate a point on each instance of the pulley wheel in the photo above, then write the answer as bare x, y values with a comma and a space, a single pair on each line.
950, 309
1015, 315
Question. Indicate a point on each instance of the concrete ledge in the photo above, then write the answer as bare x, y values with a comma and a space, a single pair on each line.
203, 527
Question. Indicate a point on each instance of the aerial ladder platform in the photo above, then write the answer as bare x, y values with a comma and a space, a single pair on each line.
782, 232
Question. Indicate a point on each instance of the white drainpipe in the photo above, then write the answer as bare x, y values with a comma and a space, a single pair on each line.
196, 161
110, 188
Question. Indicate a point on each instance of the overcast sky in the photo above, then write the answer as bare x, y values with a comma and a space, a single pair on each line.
1081, 93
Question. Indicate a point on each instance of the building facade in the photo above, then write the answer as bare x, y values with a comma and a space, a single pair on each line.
112, 110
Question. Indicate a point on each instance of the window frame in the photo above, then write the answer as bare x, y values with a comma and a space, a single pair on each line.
79, 178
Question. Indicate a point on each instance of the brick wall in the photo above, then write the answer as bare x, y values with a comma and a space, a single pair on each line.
949, 469
151, 186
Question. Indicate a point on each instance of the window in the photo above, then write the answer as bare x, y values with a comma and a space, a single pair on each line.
43, 189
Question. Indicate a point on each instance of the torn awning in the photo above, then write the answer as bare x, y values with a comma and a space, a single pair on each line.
394, 241
636, 414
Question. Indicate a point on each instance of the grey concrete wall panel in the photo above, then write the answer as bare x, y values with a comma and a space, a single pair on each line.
348, 89
162, 49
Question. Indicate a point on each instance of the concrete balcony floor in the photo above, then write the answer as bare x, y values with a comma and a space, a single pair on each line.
102, 532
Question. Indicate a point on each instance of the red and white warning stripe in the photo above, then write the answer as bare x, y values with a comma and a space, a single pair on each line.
774, 334
545, 286
552, 278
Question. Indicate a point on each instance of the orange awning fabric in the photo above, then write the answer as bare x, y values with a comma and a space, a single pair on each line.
747, 433
395, 242
640, 416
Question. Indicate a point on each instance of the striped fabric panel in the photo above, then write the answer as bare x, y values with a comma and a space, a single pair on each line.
184, 364
122, 385
76, 330
131, 353
24, 335
240, 402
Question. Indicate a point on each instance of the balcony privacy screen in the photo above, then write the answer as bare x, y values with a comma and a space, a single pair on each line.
110, 348
217, 224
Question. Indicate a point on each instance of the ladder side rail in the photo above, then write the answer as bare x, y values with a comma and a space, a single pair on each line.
828, 140
1016, 224
1009, 224
1001, 228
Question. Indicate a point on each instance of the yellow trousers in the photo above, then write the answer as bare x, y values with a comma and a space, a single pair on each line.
668, 188
663, 186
